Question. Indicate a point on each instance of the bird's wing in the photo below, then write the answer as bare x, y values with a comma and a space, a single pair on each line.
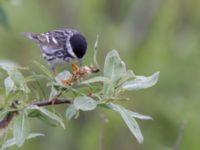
31, 36
49, 39
54, 39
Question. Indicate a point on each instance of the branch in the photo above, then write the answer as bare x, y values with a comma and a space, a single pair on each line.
10, 115
7, 119
77, 74
54, 101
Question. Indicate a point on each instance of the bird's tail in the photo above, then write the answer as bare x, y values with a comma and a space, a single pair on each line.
31, 36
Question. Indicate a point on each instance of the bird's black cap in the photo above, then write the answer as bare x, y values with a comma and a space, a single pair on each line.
78, 44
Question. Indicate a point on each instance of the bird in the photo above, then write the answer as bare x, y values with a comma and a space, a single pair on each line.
60, 46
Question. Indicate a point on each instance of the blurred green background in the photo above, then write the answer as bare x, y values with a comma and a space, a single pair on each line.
150, 35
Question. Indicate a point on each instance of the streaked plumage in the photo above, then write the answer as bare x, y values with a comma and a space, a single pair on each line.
60, 46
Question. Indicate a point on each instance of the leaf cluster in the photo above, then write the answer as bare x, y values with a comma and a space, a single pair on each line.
80, 90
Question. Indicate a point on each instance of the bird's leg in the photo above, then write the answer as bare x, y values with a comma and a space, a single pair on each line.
53, 68
80, 62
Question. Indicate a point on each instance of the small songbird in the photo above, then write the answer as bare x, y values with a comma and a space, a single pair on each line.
60, 46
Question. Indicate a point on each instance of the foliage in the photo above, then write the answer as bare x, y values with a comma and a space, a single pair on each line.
68, 88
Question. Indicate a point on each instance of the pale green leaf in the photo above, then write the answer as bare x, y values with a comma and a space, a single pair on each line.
108, 90
35, 77
9, 85
48, 114
53, 93
8, 65
62, 76
141, 82
129, 120
48, 120
114, 67
95, 52
133, 114
71, 112
139, 116
45, 70
21, 128
85, 103
115, 70
19, 80
34, 135
12, 142
97, 79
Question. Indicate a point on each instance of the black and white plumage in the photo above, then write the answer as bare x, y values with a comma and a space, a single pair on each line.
60, 46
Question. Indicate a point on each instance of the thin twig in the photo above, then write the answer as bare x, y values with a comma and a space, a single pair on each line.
7, 119
179, 137
51, 102
103, 120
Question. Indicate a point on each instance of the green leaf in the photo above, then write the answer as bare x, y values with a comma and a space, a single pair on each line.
45, 70
47, 120
19, 80
133, 114
12, 142
129, 120
35, 77
141, 82
21, 128
9, 85
53, 93
34, 135
139, 116
114, 67
14, 74
71, 112
85, 103
33, 113
8, 65
108, 90
48, 114
3, 113
97, 79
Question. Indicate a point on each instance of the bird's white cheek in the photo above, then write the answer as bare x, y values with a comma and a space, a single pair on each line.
70, 51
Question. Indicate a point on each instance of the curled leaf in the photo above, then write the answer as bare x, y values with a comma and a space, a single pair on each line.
114, 67
141, 82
